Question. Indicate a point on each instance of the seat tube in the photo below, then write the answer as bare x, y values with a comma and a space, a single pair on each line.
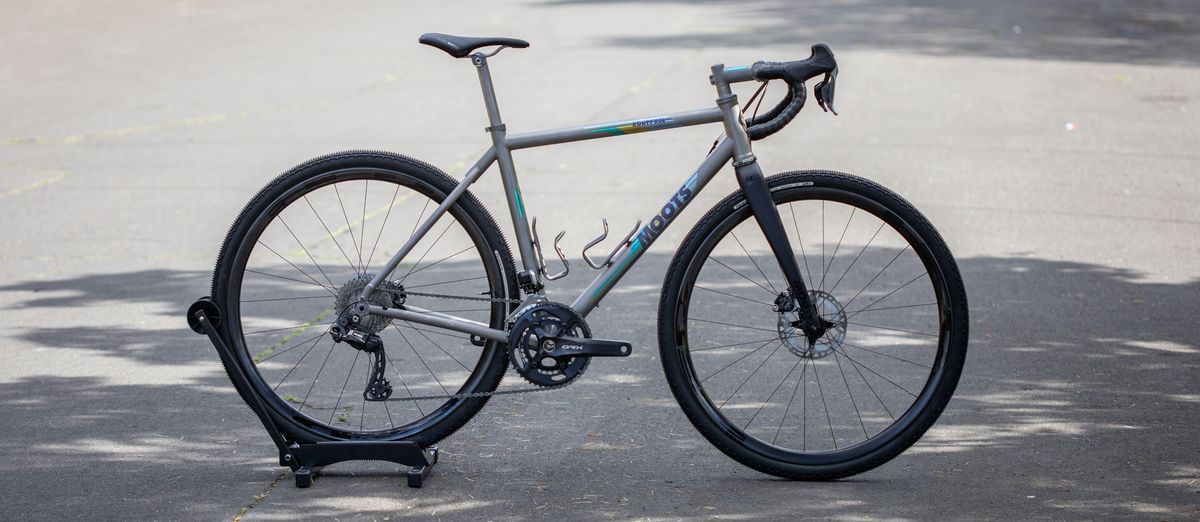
508, 174
758, 196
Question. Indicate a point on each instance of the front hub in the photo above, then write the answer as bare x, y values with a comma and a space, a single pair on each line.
829, 310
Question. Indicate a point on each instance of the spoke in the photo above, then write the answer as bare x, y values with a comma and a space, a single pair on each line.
765, 289
732, 345
789, 404
447, 282
731, 295
856, 312
305, 325
318, 376
439, 332
353, 240
285, 299
824, 404
751, 376
885, 267
362, 241
855, 260
391, 204
773, 392
389, 414
311, 278
803, 254
893, 329
877, 374
823, 278
427, 250
833, 257
344, 384
362, 415
306, 252
804, 412
402, 383
886, 355
753, 262
294, 366
852, 401
872, 388
737, 361
430, 265
331, 236
422, 359
889, 294
734, 325
327, 288
439, 347
273, 353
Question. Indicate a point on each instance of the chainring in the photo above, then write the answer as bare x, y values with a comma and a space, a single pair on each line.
528, 335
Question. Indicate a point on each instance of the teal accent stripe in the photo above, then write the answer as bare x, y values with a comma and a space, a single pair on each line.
633, 248
611, 131
520, 206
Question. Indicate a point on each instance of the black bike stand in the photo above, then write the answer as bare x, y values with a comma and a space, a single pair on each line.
306, 458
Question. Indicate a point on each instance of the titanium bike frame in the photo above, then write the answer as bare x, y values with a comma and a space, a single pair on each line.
735, 146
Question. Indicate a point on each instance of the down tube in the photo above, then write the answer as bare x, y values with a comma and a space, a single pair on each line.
605, 282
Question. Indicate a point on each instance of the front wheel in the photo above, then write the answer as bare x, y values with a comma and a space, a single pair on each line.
863, 392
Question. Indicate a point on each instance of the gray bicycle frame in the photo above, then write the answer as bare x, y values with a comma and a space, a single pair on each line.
735, 145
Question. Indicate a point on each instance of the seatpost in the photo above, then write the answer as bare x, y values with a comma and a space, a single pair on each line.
762, 205
530, 278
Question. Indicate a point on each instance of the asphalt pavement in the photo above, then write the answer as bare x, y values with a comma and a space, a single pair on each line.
1053, 144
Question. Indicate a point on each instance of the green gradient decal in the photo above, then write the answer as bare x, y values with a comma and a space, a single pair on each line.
635, 126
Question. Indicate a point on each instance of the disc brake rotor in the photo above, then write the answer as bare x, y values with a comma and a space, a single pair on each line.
793, 337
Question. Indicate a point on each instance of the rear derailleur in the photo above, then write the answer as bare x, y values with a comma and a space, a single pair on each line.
378, 388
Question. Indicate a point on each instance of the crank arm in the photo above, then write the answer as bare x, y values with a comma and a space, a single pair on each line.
583, 347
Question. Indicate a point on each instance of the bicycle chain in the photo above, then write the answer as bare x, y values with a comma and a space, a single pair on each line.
472, 395
464, 297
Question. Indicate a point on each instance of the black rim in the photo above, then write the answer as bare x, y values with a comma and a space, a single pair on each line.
488, 355
871, 443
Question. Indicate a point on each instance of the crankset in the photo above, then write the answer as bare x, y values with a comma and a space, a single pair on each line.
550, 344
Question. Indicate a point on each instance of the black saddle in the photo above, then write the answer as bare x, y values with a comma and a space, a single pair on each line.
460, 46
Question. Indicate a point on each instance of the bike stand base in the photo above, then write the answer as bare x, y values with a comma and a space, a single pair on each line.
312, 457
306, 458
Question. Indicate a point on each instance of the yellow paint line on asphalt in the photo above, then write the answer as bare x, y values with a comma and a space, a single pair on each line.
258, 357
73, 139
125, 131
56, 176
341, 231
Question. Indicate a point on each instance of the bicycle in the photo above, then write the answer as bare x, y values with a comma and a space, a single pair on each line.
289, 269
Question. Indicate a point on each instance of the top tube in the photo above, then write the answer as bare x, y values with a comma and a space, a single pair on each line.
616, 128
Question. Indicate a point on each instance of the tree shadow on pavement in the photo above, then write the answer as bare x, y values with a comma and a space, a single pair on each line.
1079, 398
1166, 32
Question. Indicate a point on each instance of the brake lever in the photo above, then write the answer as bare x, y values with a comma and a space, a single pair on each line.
824, 91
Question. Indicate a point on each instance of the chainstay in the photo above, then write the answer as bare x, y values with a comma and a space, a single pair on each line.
473, 395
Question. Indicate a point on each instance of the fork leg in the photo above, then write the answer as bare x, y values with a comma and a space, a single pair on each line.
754, 186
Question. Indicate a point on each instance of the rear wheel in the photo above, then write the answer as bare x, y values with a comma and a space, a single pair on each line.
869, 387
300, 253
